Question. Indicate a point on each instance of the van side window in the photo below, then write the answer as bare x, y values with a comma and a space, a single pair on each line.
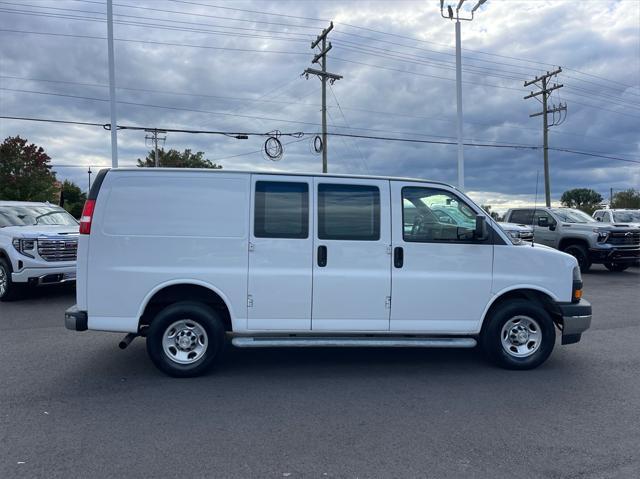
281, 210
523, 217
348, 212
433, 215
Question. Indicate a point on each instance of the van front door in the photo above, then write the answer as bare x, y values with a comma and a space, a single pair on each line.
352, 260
441, 275
280, 252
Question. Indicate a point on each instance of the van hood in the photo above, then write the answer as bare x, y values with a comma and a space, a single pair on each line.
35, 231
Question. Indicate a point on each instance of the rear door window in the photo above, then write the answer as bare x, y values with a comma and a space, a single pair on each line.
348, 212
281, 210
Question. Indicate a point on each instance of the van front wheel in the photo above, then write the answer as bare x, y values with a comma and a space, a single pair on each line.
519, 335
185, 338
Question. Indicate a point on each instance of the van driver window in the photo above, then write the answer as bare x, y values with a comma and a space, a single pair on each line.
432, 215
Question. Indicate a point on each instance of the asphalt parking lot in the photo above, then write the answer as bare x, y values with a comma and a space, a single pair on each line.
74, 405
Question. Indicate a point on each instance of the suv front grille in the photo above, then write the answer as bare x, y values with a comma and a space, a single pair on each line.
526, 236
626, 238
58, 249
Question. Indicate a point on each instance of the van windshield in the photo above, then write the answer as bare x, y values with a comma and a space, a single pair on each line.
570, 215
27, 215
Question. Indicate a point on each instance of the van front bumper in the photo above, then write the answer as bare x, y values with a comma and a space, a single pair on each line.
74, 319
576, 319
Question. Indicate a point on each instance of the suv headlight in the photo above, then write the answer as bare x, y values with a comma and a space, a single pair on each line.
26, 247
514, 234
603, 235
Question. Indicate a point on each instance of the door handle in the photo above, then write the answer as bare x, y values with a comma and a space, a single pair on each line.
398, 257
322, 256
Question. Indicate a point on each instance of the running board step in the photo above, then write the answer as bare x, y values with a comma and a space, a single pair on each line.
351, 342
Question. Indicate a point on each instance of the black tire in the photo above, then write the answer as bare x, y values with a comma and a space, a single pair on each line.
491, 336
581, 254
11, 290
617, 267
204, 317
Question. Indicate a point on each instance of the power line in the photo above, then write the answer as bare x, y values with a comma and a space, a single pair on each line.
211, 112
150, 42
175, 12
286, 33
337, 134
544, 64
262, 99
153, 25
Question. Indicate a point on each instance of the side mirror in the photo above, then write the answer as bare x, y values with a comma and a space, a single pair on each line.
480, 233
543, 222
599, 218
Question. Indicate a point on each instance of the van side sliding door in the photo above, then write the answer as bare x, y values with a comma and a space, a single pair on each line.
351, 259
280, 252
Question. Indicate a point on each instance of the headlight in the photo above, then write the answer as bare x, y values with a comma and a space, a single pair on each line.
576, 289
577, 275
514, 234
26, 247
602, 235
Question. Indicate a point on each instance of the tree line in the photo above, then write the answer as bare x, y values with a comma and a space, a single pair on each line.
26, 173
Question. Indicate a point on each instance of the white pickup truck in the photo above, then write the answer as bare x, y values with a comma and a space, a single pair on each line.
190, 258
38, 244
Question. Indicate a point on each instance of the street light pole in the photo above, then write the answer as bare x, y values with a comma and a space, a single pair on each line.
459, 108
450, 15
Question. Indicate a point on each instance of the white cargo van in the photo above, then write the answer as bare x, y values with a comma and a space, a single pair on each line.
189, 258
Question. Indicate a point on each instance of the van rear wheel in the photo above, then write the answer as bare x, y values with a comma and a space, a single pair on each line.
185, 338
519, 335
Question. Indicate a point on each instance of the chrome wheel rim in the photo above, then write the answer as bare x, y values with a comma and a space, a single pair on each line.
185, 341
3, 281
521, 336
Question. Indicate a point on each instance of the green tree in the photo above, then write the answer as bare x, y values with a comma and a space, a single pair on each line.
72, 198
25, 172
584, 199
493, 214
626, 199
176, 159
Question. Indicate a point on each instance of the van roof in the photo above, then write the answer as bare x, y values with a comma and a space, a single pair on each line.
279, 173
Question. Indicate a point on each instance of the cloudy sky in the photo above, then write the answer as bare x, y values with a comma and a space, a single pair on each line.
235, 66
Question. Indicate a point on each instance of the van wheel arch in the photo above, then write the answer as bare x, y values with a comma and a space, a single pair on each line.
532, 295
184, 292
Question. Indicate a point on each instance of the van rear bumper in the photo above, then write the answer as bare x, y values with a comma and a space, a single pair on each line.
74, 319
576, 319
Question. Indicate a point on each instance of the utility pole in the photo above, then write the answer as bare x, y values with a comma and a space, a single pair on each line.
450, 15
112, 86
324, 76
545, 90
89, 179
153, 136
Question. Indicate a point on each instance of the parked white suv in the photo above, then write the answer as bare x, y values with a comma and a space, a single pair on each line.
38, 243
186, 258
618, 217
